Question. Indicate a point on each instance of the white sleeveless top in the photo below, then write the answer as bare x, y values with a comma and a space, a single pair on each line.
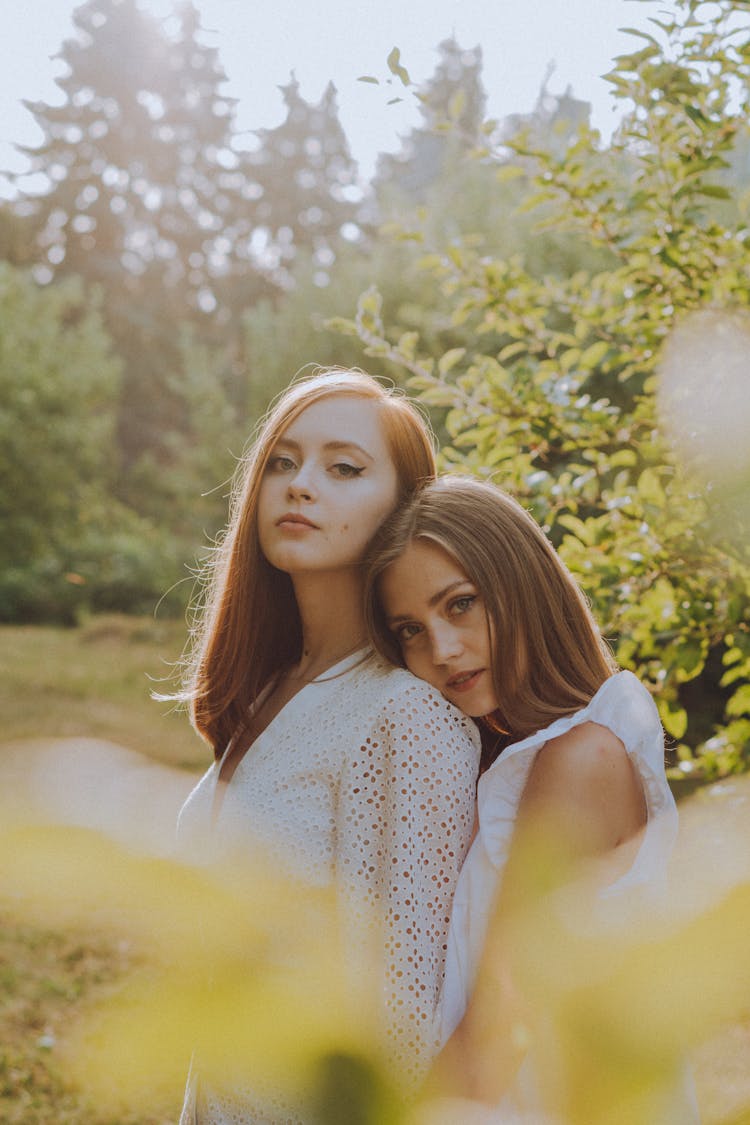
624, 706
364, 781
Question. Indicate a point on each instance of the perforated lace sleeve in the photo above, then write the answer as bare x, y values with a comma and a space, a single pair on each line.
406, 810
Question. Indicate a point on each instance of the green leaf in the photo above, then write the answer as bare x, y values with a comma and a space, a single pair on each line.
715, 191
533, 201
370, 302
407, 344
739, 704
578, 528
507, 172
594, 354
438, 396
369, 78
640, 34
341, 325
520, 347
395, 67
569, 358
449, 360
673, 717
622, 457
650, 489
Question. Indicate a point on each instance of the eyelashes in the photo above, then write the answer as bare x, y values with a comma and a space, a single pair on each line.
347, 471
407, 631
282, 463
462, 604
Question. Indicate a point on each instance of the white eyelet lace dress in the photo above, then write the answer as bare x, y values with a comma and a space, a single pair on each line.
364, 781
625, 707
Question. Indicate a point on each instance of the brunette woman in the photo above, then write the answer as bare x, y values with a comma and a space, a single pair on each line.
467, 592
329, 763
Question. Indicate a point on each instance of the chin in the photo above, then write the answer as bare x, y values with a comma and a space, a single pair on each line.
474, 710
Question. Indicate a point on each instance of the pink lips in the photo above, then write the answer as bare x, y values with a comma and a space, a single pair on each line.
294, 519
464, 681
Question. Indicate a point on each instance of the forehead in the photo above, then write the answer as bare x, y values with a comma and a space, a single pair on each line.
424, 569
344, 417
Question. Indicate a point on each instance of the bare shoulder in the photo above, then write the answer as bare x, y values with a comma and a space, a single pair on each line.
588, 750
586, 773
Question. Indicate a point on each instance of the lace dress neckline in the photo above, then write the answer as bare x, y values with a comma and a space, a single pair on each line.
346, 664
340, 668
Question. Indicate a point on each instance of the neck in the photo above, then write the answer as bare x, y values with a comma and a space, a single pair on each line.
333, 625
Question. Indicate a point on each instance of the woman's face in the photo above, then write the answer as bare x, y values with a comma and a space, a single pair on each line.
329, 484
439, 620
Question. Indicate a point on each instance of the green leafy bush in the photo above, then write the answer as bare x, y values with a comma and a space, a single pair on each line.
552, 389
67, 546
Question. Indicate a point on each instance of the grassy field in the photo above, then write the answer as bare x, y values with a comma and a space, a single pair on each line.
95, 681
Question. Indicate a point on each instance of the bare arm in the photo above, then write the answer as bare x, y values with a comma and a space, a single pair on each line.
580, 818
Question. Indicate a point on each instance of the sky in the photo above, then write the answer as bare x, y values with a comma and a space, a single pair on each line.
261, 42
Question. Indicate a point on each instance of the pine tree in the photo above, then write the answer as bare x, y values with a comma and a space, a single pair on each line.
452, 105
94, 146
144, 195
306, 183
140, 169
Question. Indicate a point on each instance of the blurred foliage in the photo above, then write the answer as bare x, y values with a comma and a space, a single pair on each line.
452, 106
48, 978
66, 543
219, 952
546, 379
610, 1008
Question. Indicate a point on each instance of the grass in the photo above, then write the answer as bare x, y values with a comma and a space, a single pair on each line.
96, 681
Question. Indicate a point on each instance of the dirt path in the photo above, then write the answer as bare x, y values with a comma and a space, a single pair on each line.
93, 784
97, 784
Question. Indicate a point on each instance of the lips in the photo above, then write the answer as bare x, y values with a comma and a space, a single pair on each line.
294, 518
464, 681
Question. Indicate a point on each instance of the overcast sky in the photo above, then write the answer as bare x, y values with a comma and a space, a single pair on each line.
261, 41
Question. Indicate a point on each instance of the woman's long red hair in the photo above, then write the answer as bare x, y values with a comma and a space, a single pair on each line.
247, 626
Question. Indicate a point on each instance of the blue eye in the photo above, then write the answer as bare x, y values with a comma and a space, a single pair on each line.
462, 604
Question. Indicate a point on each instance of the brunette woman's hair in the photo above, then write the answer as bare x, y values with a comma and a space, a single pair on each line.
247, 626
548, 657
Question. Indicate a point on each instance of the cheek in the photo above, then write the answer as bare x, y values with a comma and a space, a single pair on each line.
374, 509
361, 524
417, 660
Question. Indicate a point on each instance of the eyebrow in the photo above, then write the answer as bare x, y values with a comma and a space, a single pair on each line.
288, 443
433, 601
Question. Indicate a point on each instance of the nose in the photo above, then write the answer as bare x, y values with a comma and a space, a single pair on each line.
300, 486
446, 643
